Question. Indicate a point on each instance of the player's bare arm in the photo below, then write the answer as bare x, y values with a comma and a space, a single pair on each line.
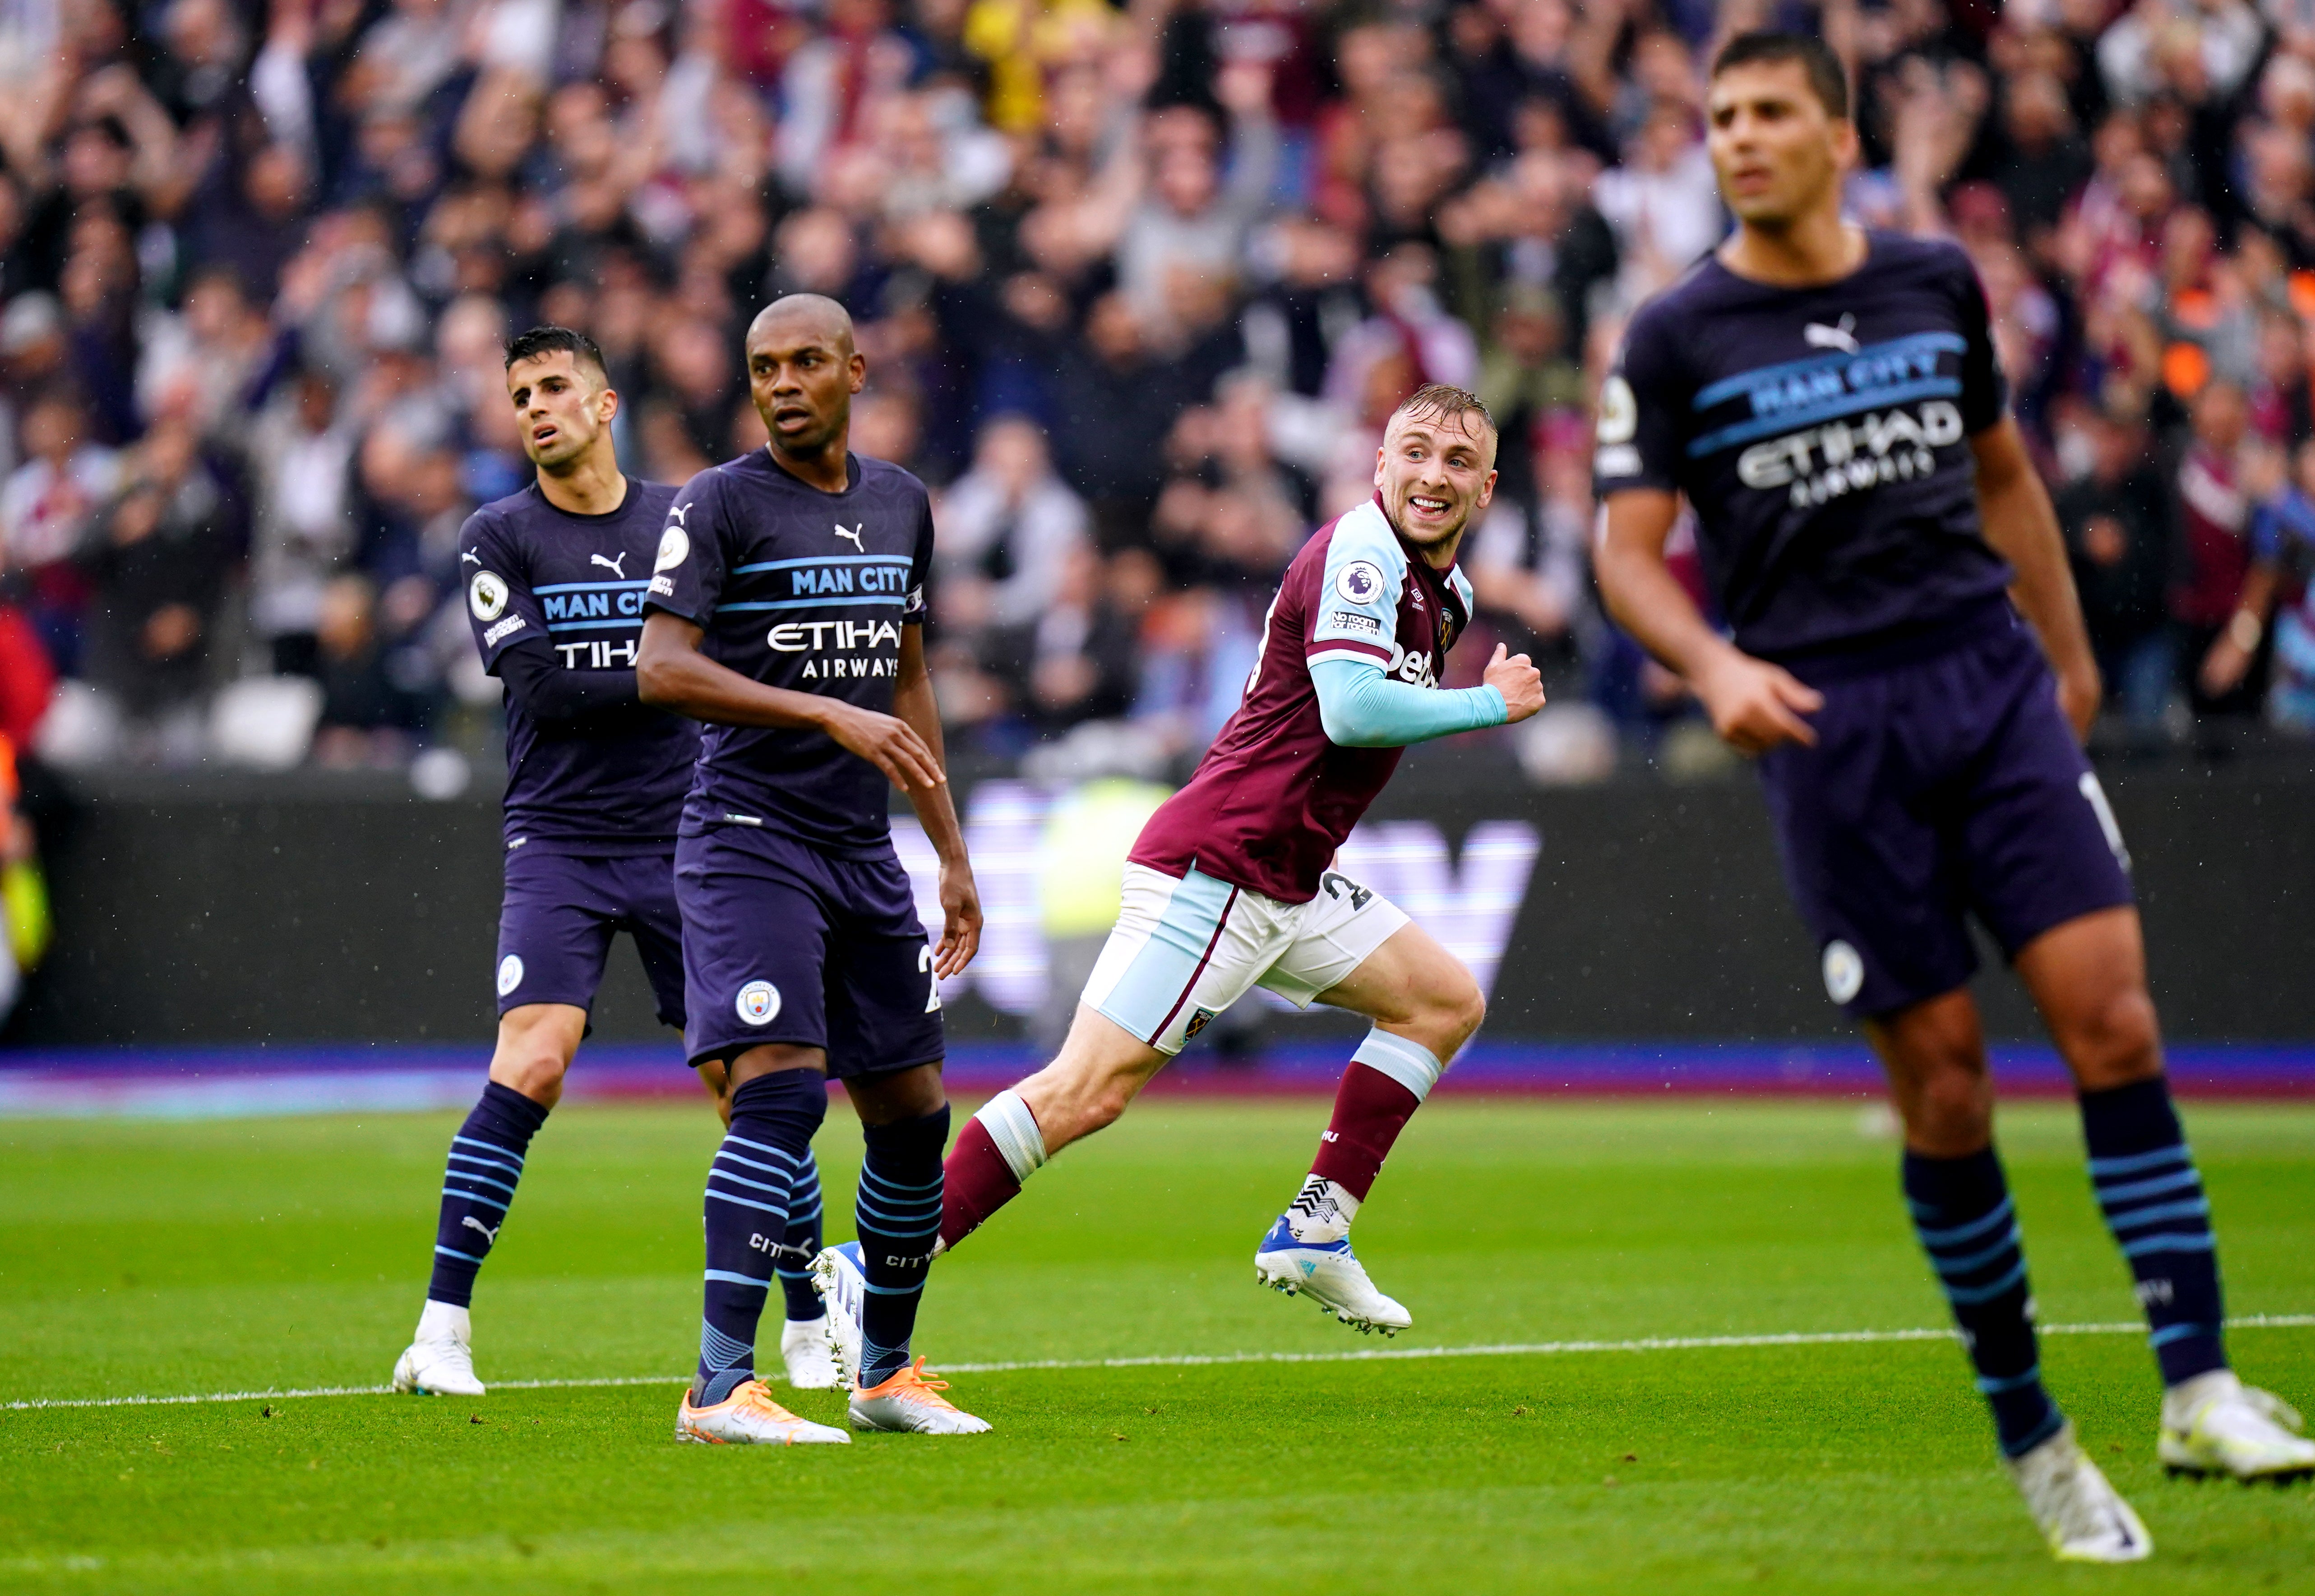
2015, 510
1753, 705
671, 673
913, 702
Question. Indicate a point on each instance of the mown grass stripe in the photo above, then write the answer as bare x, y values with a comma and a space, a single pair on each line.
1652, 1343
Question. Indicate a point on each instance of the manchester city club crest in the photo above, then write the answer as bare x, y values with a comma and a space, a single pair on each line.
758, 1003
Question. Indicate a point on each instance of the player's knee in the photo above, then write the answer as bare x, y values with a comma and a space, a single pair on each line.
1952, 1105
1467, 1010
2115, 1040
536, 1072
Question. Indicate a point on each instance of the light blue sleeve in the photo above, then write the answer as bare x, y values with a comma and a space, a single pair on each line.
1361, 707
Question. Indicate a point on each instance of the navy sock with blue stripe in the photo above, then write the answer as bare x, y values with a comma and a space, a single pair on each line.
898, 1212
748, 1186
801, 1244
1967, 1225
2152, 1197
485, 1163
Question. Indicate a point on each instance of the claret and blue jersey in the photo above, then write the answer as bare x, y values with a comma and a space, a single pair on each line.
612, 782
807, 590
1822, 435
1275, 796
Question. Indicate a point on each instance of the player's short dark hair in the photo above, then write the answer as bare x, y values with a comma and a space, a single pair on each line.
1770, 46
1438, 399
583, 350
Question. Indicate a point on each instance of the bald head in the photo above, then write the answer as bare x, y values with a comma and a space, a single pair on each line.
802, 370
814, 317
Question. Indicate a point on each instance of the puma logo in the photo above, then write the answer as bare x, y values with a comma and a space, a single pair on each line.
618, 565
470, 554
489, 1235
854, 534
677, 515
1841, 335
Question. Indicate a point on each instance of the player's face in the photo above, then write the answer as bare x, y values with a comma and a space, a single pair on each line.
1432, 472
1778, 153
560, 406
803, 374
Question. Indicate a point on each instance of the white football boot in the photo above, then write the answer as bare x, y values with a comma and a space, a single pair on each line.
2082, 1517
843, 1288
439, 1360
803, 1349
1331, 1275
2215, 1424
908, 1401
749, 1416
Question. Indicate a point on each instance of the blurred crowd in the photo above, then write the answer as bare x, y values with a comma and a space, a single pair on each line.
1137, 286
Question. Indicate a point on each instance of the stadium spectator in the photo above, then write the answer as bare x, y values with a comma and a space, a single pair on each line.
2214, 507
367, 718
155, 562
2283, 542
1201, 246
1007, 528
2119, 521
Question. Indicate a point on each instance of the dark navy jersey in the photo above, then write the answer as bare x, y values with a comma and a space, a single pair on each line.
807, 590
611, 782
1822, 436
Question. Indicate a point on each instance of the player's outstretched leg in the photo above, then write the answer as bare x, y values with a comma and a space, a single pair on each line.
1101, 1067
2087, 975
749, 1185
803, 1337
1425, 1006
898, 1215
1307, 1251
486, 1162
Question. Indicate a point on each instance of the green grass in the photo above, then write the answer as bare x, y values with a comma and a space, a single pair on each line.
146, 1258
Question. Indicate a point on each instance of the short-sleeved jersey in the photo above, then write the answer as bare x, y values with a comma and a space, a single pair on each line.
798, 589
609, 782
1273, 798
1822, 435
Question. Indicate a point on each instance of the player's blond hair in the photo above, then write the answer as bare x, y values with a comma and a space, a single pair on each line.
1441, 402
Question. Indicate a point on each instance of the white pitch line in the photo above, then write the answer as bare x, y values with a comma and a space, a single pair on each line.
1526, 1349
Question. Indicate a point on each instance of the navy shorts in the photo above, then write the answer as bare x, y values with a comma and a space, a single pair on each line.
1939, 788
556, 920
783, 944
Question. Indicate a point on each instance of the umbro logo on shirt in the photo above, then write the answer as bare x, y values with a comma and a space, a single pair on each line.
1841, 335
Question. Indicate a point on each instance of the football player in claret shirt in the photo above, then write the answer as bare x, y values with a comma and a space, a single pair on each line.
555, 579
1908, 662
786, 607
1232, 884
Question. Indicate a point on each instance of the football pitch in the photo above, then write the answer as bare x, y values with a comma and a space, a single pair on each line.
1240, 1443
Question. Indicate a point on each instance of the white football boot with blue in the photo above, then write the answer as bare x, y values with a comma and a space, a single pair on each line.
1307, 1253
843, 1288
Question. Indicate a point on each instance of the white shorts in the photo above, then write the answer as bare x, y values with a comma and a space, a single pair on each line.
1185, 950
